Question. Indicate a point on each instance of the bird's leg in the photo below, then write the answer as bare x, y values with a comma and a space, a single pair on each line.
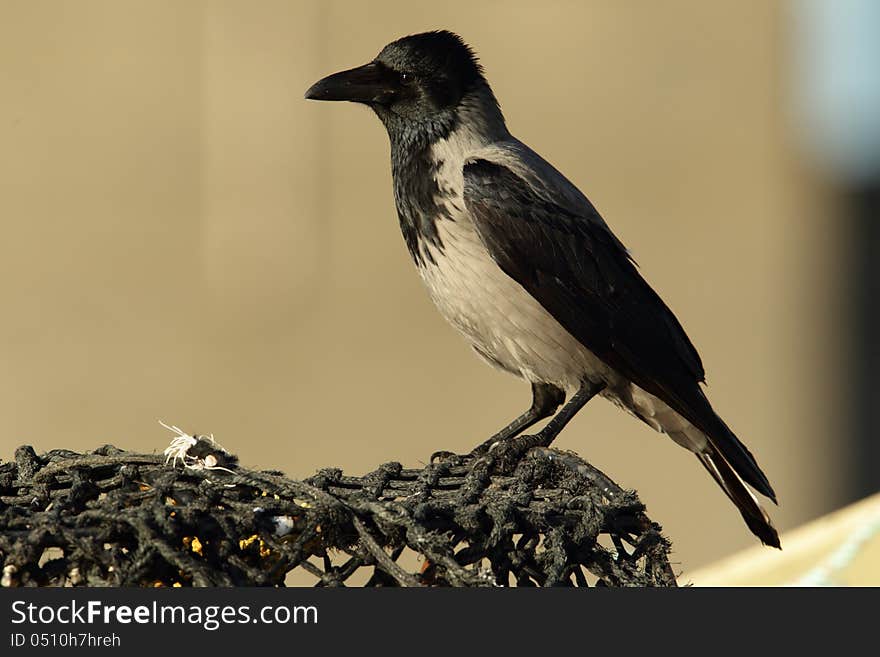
546, 398
517, 446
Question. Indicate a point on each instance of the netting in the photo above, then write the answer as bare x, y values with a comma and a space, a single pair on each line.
118, 518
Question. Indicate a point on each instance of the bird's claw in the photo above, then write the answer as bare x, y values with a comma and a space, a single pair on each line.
502, 453
477, 452
505, 454
441, 455
483, 448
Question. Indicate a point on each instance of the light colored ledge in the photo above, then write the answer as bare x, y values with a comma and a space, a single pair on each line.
840, 549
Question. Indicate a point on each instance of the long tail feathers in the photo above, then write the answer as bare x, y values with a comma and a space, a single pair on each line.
732, 484
740, 459
725, 442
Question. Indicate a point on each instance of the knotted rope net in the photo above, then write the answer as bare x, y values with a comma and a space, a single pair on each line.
118, 518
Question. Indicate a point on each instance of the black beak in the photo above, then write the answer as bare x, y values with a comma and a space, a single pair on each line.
370, 83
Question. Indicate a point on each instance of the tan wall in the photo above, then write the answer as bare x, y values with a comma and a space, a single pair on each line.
185, 238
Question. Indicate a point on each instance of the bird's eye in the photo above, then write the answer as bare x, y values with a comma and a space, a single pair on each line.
406, 78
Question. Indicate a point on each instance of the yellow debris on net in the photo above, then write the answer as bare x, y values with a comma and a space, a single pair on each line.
243, 543
265, 550
193, 543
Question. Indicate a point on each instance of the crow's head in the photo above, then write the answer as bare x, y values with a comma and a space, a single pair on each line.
418, 79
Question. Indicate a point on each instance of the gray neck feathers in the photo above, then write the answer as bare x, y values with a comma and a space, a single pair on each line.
417, 194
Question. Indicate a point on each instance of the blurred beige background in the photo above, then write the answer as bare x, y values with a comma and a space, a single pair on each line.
184, 238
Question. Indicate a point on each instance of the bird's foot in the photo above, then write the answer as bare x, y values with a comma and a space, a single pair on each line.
483, 448
503, 452
506, 454
442, 455
477, 452
499, 439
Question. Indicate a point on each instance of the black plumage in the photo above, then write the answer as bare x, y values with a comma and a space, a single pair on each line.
569, 261
574, 266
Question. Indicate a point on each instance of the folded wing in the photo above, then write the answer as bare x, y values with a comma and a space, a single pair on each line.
559, 249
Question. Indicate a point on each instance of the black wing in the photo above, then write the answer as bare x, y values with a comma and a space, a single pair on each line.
571, 263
